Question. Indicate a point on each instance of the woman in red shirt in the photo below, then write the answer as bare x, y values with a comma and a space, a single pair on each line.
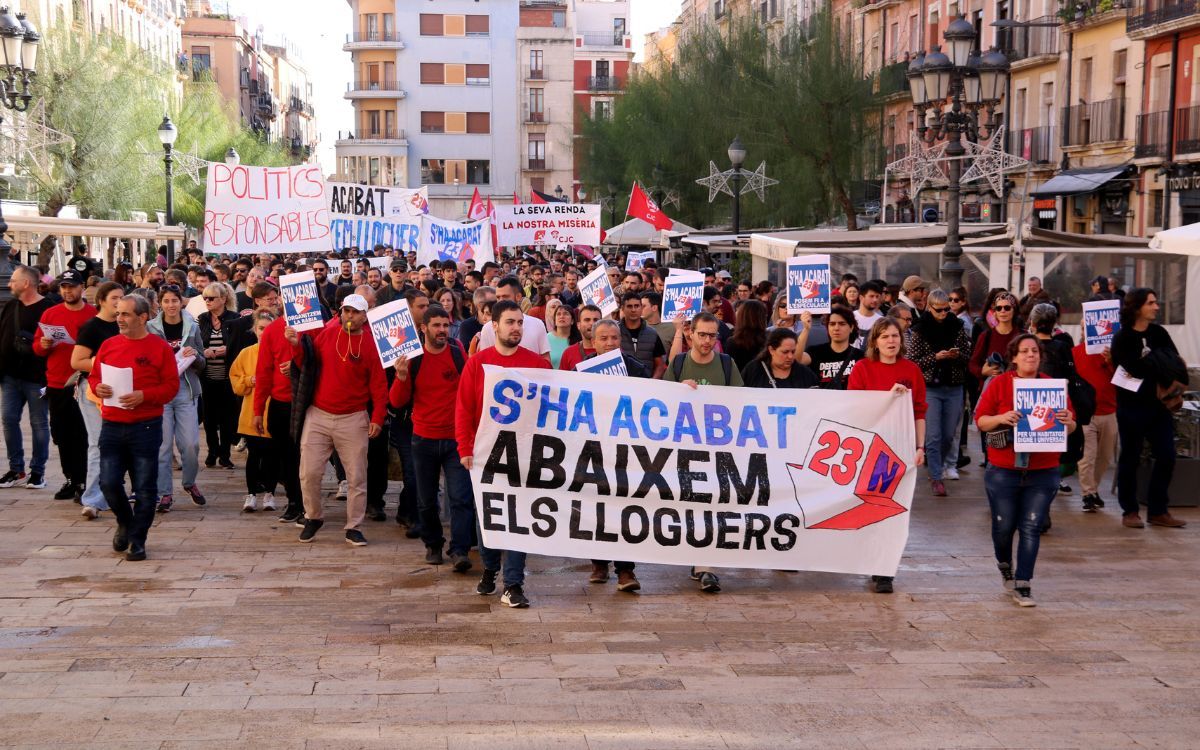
884, 368
1021, 486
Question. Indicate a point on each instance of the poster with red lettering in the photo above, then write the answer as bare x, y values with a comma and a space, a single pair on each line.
266, 209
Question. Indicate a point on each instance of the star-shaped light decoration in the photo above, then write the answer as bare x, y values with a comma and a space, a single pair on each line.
671, 198
716, 182
25, 137
991, 162
186, 163
757, 182
928, 169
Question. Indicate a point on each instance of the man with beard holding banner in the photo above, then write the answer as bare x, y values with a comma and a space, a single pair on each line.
508, 326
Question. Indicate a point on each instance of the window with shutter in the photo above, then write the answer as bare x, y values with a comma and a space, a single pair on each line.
478, 25
454, 25
456, 122
456, 74
433, 73
433, 122
479, 122
431, 24
479, 74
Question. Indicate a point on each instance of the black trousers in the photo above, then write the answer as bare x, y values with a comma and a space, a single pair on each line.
406, 509
1137, 424
69, 433
220, 416
377, 470
287, 452
261, 464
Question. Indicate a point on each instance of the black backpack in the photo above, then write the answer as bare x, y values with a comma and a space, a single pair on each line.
456, 353
726, 365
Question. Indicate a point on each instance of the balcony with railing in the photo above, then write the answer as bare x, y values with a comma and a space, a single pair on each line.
538, 165
1028, 42
602, 39
535, 115
535, 74
374, 89
1098, 122
1150, 17
265, 104
372, 135
895, 153
1152, 136
892, 80
1187, 130
372, 40
1035, 145
603, 83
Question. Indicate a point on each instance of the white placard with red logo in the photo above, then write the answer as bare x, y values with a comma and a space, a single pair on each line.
683, 295
548, 224
301, 303
595, 289
394, 332
455, 241
266, 210
808, 284
571, 464
1039, 429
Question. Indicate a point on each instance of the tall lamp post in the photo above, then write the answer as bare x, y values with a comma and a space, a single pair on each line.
167, 133
612, 206
18, 44
232, 157
972, 87
737, 156
558, 192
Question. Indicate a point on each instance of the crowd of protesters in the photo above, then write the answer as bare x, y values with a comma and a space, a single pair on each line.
121, 367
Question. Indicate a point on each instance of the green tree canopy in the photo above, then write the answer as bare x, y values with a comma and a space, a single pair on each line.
799, 101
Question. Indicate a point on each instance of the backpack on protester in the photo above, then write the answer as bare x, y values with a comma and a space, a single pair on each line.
726, 366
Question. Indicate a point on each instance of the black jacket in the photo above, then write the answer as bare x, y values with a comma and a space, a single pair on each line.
206, 327
304, 385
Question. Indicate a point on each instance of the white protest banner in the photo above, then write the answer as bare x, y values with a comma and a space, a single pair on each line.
443, 240
637, 261
595, 289
383, 264
683, 295
266, 210
571, 465
364, 216
1039, 430
394, 332
301, 304
1101, 321
808, 286
548, 224
612, 363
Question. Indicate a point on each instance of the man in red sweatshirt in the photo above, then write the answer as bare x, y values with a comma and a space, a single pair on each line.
272, 381
431, 389
66, 421
508, 322
351, 377
578, 352
132, 430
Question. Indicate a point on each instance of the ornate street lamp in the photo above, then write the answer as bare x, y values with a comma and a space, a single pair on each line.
19, 47
737, 156
558, 192
956, 93
232, 157
167, 133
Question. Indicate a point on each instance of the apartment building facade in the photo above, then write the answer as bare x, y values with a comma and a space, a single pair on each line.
435, 99
546, 55
603, 60
153, 26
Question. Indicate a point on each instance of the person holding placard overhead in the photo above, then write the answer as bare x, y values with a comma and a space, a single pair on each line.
135, 375
1145, 353
1020, 486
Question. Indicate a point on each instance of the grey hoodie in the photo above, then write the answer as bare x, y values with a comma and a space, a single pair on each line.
191, 337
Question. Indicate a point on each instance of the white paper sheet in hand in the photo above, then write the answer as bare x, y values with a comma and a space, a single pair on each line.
182, 362
1122, 379
57, 334
120, 379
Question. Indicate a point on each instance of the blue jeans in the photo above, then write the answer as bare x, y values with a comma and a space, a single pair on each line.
181, 427
406, 509
941, 427
430, 459
133, 449
17, 394
92, 496
514, 562
1019, 501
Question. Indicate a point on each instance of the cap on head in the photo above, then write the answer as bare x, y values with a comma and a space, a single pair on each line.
356, 301
70, 278
724, 275
913, 282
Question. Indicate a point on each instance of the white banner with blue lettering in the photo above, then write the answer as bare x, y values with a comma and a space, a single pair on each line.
443, 240
585, 466
364, 216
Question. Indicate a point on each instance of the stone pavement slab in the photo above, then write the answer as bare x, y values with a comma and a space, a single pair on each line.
233, 635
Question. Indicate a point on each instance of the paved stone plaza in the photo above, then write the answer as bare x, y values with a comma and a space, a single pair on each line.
233, 635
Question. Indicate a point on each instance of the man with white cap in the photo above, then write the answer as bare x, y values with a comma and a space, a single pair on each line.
351, 377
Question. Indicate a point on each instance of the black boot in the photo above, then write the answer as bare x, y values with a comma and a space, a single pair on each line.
120, 539
137, 552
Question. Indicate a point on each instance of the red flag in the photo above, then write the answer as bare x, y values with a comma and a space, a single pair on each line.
491, 216
477, 210
536, 198
516, 199
641, 206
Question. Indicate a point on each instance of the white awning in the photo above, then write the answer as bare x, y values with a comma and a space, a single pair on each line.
1183, 240
1074, 182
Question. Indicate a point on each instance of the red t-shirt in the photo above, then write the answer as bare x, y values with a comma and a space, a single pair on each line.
470, 390
436, 394
154, 374
997, 399
58, 359
1098, 372
873, 375
571, 356
347, 384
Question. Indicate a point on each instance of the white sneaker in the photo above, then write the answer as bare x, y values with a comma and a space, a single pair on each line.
343, 490
950, 473
268, 501
89, 513
250, 505
240, 446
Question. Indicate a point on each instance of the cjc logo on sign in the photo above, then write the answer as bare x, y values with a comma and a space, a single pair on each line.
842, 456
